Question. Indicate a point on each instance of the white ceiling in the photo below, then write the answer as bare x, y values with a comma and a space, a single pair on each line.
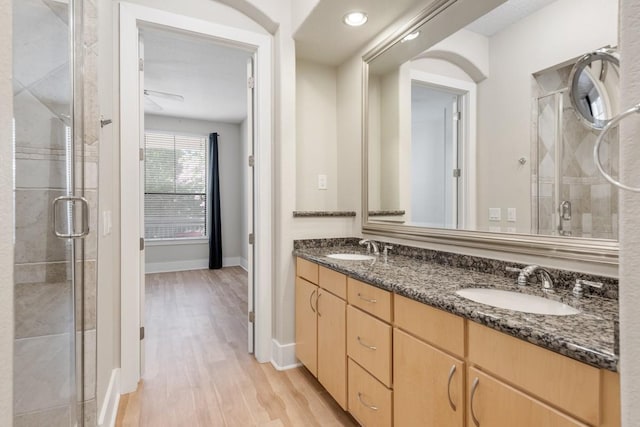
211, 77
506, 14
325, 39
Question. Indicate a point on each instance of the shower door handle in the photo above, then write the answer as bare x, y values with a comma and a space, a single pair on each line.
565, 210
71, 234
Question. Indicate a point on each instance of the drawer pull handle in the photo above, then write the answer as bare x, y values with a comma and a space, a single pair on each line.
372, 301
310, 303
474, 387
373, 408
370, 347
451, 372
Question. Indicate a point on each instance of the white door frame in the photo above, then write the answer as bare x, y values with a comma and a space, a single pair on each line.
468, 92
131, 16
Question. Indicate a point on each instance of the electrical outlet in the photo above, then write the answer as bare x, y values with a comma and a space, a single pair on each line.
494, 214
322, 182
511, 214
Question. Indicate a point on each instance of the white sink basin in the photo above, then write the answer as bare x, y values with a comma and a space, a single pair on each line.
352, 257
517, 301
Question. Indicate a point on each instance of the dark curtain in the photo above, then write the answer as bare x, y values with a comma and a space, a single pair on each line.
213, 199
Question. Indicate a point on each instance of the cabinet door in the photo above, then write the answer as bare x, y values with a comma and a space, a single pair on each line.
332, 346
493, 403
426, 391
306, 324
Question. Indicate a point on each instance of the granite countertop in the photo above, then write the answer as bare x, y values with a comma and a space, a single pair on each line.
587, 336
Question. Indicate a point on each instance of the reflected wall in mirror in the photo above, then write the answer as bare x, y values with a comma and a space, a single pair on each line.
474, 129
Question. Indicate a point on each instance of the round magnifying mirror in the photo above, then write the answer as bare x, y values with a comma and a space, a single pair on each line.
595, 83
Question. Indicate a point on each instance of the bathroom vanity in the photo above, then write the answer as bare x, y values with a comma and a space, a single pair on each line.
394, 344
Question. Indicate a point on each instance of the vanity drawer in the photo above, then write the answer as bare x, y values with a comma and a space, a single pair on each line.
440, 329
307, 270
369, 343
369, 401
559, 380
334, 282
373, 300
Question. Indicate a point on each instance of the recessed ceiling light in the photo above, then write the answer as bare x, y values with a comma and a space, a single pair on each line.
411, 36
355, 19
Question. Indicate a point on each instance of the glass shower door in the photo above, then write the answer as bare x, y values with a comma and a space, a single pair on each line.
570, 197
50, 219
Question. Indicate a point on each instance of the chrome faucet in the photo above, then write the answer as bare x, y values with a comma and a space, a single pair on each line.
526, 272
370, 244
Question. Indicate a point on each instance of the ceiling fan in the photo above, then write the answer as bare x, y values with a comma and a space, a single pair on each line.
149, 102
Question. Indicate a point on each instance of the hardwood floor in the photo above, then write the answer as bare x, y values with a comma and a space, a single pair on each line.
198, 372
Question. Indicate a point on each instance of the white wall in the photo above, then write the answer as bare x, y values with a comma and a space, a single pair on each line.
166, 256
504, 99
316, 135
629, 222
6, 218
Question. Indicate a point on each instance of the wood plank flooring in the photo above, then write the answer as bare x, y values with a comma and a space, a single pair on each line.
198, 372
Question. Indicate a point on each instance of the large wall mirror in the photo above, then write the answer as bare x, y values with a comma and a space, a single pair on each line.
480, 122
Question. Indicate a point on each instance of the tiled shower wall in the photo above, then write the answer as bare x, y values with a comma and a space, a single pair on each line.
42, 371
593, 200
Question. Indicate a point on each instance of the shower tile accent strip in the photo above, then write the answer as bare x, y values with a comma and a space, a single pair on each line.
432, 277
309, 214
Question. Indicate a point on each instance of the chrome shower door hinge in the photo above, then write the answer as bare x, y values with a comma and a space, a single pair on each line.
252, 239
456, 173
252, 161
252, 316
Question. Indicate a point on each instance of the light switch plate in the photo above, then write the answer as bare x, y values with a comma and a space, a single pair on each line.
511, 214
494, 214
322, 182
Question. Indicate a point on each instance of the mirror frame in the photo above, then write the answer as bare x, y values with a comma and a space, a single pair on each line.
597, 251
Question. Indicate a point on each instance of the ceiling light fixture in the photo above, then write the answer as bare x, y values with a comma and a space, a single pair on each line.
411, 36
355, 19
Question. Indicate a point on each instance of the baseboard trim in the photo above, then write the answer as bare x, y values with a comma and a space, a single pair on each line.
109, 411
186, 265
244, 263
231, 261
283, 356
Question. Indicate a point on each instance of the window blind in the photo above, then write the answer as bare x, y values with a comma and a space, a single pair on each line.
175, 204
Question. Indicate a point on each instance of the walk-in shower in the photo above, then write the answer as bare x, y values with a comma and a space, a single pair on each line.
569, 196
54, 349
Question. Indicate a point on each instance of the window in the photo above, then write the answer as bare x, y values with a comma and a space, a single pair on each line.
175, 200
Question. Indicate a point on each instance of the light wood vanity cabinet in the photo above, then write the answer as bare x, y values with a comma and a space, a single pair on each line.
428, 384
496, 404
307, 325
321, 326
433, 368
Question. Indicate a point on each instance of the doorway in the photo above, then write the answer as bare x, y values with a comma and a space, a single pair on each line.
193, 177
134, 21
435, 153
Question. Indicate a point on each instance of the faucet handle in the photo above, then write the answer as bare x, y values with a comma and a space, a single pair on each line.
578, 290
513, 269
387, 248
